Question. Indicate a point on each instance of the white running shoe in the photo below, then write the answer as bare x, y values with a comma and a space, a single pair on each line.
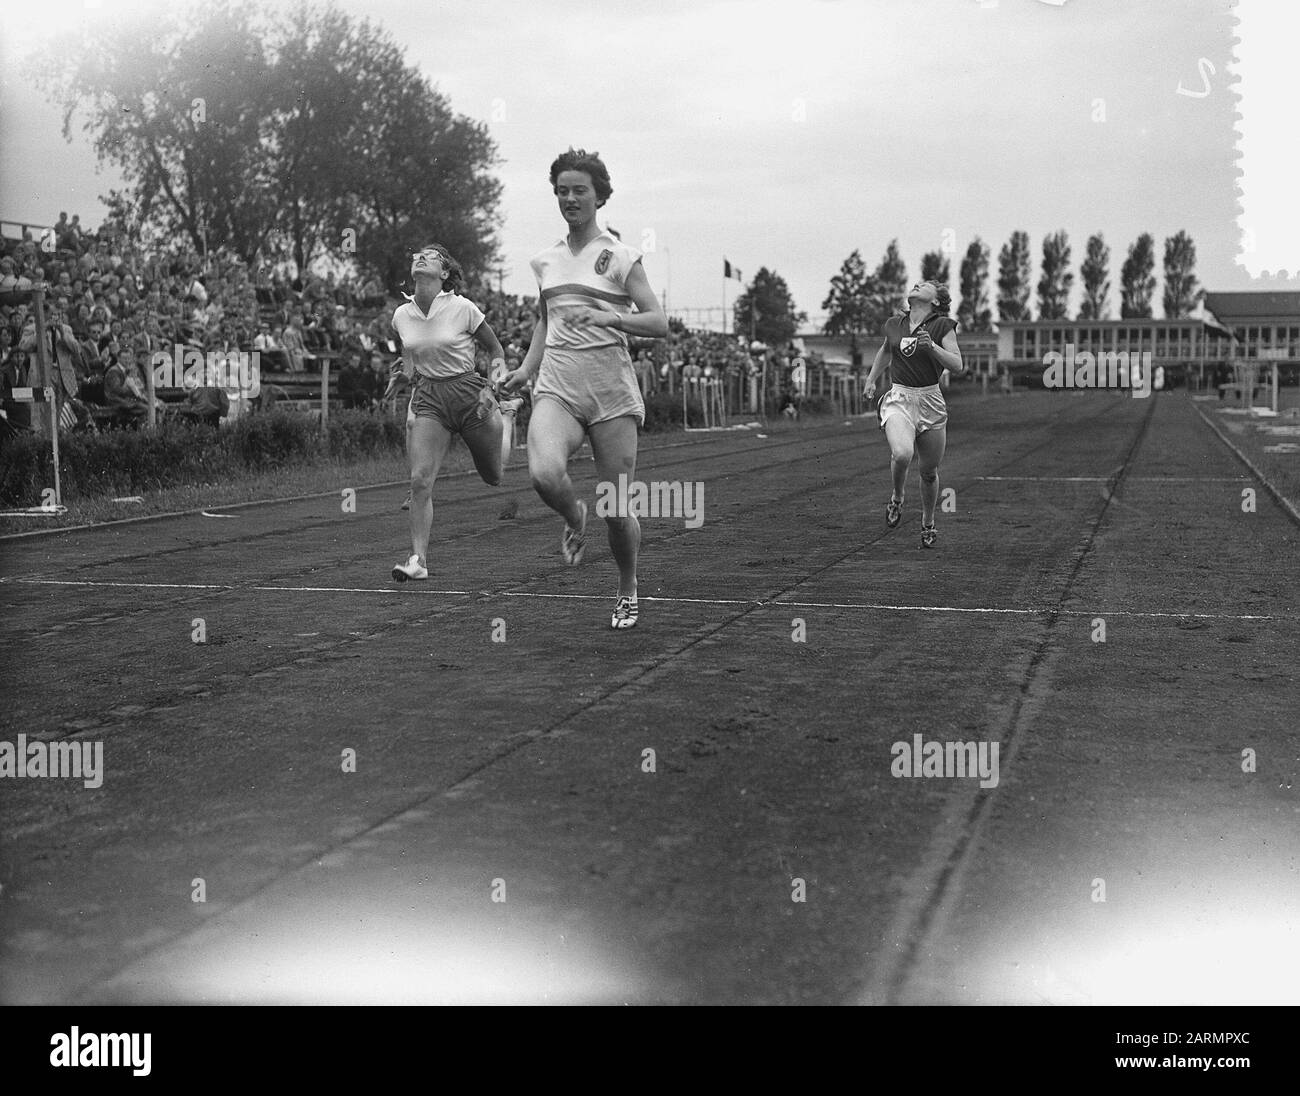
411, 569
625, 613
574, 541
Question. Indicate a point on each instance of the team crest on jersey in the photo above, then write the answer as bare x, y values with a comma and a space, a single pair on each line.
602, 263
907, 345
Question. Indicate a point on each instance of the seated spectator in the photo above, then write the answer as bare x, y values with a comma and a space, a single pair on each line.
294, 346
121, 392
10, 279
14, 373
356, 385
372, 294
313, 337
90, 350
203, 405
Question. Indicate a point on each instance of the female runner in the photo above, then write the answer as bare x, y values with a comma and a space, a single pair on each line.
588, 282
919, 345
439, 330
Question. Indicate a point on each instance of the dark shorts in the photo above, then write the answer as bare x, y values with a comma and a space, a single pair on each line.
453, 402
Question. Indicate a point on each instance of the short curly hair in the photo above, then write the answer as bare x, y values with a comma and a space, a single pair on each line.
579, 159
455, 272
942, 296
942, 299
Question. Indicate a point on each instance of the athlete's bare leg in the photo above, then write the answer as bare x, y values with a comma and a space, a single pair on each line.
901, 438
485, 446
553, 437
613, 443
930, 446
429, 442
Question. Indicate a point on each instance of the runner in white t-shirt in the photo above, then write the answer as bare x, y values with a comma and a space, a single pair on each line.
589, 283
439, 330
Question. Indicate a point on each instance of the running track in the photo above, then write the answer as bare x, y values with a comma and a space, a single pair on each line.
515, 768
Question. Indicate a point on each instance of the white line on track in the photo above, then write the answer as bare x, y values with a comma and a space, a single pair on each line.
1107, 479
864, 606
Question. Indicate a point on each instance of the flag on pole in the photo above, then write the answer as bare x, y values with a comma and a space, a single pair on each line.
729, 271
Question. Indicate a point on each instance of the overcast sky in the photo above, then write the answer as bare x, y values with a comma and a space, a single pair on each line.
786, 134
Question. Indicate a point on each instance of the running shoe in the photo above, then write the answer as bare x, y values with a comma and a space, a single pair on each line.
894, 512
411, 569
625, 613
928, 536
574, 541
406, 502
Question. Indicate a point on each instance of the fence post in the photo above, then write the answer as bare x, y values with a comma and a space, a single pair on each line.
152, 391
51, 395
324, 394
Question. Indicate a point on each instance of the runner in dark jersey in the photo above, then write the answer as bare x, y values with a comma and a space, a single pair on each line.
920, 344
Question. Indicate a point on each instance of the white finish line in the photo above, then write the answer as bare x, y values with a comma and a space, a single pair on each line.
408, 588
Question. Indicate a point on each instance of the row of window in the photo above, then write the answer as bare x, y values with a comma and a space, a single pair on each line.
1179, 341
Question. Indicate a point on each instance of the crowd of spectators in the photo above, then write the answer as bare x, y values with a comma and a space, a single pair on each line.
112, 304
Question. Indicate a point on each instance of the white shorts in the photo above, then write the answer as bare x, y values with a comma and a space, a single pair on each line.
924, 407
592, 386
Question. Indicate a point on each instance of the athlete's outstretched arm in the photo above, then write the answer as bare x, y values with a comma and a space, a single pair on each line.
537, 347
877, 367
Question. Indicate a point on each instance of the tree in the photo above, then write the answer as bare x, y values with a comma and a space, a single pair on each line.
1054, 285
181, 111
775, 319
303, 135
973, 313
1181, 292
847, 302
889, 288
1096, 280
935, 267
1137, 282
1014, 270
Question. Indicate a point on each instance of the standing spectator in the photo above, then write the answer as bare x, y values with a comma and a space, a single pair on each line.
645, 372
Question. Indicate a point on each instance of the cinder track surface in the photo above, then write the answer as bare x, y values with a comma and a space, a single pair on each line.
515, 769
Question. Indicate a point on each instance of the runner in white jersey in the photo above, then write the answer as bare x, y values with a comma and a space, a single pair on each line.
920, 345
439, 330
594, 293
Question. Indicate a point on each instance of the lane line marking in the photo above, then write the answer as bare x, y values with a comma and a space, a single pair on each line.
1107, 479
1287, 507
869, 606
